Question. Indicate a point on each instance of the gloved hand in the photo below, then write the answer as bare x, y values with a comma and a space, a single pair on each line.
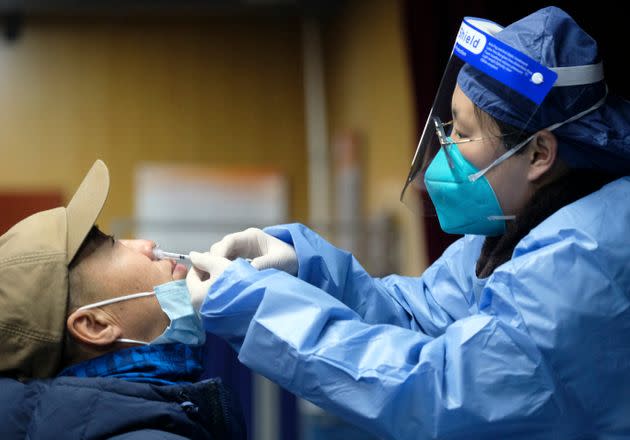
265, 251
204, 272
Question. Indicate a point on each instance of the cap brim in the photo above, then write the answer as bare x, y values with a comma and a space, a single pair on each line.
85, 206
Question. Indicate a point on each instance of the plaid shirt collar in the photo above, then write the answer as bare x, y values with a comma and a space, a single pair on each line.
160, 364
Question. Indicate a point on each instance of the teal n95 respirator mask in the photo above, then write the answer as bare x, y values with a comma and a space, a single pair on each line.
185, 326
463, 206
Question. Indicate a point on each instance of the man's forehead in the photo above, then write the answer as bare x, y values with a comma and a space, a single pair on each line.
96, 242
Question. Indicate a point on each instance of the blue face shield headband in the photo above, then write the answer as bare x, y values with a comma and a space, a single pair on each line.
174, 299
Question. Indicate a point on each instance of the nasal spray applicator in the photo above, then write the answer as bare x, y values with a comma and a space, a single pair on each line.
164, 255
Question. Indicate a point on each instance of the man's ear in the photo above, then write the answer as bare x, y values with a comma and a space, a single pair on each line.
93, 327
542, 154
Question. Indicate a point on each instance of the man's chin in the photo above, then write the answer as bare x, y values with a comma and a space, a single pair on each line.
179, 272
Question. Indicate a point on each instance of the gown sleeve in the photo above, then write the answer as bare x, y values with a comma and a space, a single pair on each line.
541, 354
481, 377
442, 295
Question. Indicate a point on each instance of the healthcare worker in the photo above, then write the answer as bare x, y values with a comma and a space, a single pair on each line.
521, 328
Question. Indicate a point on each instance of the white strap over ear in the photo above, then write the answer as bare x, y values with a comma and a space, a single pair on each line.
115, 300
132, 341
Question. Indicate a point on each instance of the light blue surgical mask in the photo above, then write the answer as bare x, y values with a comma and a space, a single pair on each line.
174, 299
463, 205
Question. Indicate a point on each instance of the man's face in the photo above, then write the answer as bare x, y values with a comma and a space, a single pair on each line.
122, 267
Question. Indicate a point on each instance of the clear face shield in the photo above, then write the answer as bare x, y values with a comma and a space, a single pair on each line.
490, 64
460, 143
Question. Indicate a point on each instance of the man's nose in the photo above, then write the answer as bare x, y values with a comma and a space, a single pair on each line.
143, 246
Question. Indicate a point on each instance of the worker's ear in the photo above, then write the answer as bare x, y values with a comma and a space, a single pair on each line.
93, 327
542, 153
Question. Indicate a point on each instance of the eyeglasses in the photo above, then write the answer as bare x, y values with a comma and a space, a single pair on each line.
445, 143
443, 138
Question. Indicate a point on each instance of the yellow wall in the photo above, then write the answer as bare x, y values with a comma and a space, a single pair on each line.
219, 91
215, 91
369, 90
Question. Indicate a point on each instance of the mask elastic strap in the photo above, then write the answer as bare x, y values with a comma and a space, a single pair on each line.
501, 217
132, 341
579, 115
505, 156
115, 300
512, 151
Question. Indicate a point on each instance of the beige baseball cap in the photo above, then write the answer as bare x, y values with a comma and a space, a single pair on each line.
34, 259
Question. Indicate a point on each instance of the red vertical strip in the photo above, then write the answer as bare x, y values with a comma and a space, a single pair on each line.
15, 206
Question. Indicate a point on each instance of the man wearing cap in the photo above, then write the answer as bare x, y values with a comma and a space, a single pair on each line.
112, 326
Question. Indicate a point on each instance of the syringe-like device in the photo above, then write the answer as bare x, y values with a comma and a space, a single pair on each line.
164, 255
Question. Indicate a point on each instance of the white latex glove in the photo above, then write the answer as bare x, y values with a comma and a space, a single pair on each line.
264, 250
204, 272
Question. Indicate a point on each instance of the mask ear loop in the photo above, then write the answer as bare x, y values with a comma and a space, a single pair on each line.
132, 341
501, 217
115, 300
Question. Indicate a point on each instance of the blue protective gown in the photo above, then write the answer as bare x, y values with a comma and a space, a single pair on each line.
540, 349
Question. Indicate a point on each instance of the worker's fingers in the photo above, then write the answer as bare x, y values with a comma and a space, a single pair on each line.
264, 262
208, 263
284, 263
244, 244
196, 275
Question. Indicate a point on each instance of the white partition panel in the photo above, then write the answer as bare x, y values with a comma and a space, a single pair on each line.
186, 208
